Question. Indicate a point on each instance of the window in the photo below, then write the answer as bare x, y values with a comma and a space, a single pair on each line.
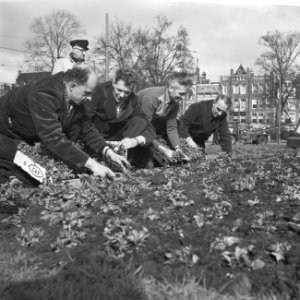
236, 105
254, 103
291, 104
292, 116
243, 105
243, 88
270, 117
224, 89
254, 88
260, 87
236, 89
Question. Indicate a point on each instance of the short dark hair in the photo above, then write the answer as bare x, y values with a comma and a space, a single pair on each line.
78, 74
227, 100
126, 75
183, 78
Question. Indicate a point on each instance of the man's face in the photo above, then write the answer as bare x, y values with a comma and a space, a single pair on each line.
79, 93
121, 91
176, 91
219, 108
78, 52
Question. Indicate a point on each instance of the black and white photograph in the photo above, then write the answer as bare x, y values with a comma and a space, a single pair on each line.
149, 150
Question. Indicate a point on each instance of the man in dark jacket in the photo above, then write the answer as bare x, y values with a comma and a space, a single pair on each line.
117, 115
44, 112
202, 119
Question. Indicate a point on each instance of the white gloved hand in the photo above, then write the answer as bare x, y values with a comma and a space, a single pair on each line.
168, 153
128, 143
180, 156
117, 159
99, 169
191, 143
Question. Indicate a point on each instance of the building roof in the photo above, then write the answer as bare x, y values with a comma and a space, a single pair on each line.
240, 70
31, 77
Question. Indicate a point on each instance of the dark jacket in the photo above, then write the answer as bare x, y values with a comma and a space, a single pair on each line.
102, 108
38, 112
198, 121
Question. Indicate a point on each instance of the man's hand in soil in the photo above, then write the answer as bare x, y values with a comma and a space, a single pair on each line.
168, 153
99, 169
116, 159
179, 155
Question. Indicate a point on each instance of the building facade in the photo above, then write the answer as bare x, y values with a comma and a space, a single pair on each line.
203, 90
250, 104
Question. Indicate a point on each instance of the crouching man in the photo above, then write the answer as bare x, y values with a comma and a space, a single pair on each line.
204, 118
117, 114
161, 105
44, 112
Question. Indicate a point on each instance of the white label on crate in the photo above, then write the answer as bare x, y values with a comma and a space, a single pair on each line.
29, 166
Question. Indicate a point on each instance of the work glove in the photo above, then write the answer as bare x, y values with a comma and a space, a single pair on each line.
116, 161
167, 153
179, 155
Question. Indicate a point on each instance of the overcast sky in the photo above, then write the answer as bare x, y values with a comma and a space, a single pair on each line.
223, 34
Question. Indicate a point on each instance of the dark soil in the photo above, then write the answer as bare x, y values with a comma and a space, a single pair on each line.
233, 223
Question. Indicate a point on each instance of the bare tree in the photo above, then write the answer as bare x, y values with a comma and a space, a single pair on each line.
152, 53
127, 47
51, 36
167, 52
280, 62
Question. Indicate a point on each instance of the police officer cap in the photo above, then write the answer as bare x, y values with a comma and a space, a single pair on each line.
80, 43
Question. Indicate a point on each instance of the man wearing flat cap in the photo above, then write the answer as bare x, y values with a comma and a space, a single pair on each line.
76, 56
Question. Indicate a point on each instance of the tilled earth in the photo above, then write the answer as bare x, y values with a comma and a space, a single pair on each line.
232, 223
